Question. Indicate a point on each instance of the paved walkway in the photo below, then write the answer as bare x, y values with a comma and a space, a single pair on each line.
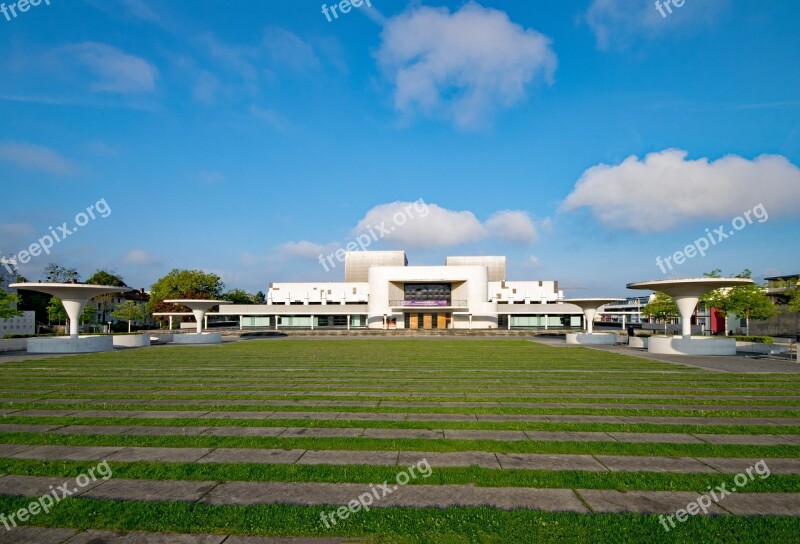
42, 535
404, 404
419, 496
592, 463
744, 364
432, 434
402, 416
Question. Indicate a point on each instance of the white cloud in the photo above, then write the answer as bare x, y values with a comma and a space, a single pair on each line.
665, 189
139, 257
210, 177
304, 249
514, 226
36, 157
533, 262
115, 71
286, 48
140, 10
270, 117
617, 22
462, 65
411, 224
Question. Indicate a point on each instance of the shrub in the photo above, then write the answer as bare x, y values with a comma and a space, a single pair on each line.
756, 339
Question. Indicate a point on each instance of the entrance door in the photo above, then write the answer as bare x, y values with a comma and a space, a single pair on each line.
441, 321
413, 321
427, 321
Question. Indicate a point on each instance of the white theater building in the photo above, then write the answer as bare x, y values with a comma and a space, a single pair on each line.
381, 291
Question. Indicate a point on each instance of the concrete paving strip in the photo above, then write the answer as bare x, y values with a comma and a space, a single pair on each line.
68, 453
450, 459
596, 463
237, 455
171, 455
150, 490
427, 434
152, 430
401, 404
37, 535
321, 433
243, 493
642, 502
458, 434
420, 496
432, 434
533, 461
394, 416
740, 465
334, 457
750, 440
625, 463
754, 504
36, 486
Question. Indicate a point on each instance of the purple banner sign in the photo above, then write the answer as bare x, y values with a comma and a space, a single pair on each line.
418, 303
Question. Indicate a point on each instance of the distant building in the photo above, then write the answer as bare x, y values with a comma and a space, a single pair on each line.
25, 323
786, 323
105, 305
381, 291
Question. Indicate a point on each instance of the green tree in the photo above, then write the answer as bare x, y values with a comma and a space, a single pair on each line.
751, 302
794, 301
186, 284
239, 296
791, 291
55, 273
661, 307
128, 311
33, 301
261, 298
56, 312
105, 277
8, 304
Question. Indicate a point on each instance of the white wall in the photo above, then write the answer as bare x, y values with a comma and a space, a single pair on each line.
523, 292
474, 291
24, 324
318, 293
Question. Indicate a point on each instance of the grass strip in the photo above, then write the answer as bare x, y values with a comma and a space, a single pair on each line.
408, 525
375, 424
405, 444
366, 474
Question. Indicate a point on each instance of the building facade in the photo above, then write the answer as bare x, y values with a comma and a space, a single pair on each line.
22, 324
381, 291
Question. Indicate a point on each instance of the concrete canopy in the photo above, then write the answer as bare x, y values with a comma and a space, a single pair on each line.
74, 297
687, 293
199, 307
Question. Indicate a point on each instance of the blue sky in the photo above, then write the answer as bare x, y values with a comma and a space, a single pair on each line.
582, 139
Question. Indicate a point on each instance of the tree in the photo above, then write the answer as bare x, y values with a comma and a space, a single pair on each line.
661, 307
186, 284
57, 313
261, 298
33, 301
794, 301
55, 273
128, 311
8, 304
751, 302
791, 291
105, 277
239, 296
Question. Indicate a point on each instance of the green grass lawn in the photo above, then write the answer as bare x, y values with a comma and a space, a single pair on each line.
446, 371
